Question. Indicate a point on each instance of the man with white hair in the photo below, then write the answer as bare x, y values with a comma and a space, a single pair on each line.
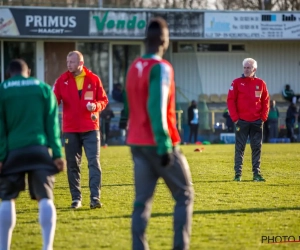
248, 103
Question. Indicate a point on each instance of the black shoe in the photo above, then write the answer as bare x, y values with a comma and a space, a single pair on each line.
258, 177
237, 178
95, 204
76, 204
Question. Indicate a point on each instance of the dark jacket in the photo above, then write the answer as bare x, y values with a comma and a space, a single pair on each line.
106, 115
123, 120
191, 113
291, 114
229, 122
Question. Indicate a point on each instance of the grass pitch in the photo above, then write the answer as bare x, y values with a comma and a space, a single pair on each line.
227, 215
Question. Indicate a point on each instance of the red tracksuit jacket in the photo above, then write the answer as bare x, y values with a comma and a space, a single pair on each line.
248, 99
76, 117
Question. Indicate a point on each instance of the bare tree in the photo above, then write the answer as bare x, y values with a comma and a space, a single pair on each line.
284, 5
4, 2
288, 4
198, 4
257, 5
228, 4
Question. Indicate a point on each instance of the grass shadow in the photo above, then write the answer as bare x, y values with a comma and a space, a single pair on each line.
117, 185
247, 210
222, 181
231, 211
235, 211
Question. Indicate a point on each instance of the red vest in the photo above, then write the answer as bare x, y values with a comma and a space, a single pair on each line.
140, 130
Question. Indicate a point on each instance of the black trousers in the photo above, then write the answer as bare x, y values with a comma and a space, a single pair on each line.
266, 133
193, 132
74, 142
290, 131
253, 130
105, 130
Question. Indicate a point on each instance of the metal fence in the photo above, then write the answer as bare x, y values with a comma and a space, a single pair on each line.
215, 124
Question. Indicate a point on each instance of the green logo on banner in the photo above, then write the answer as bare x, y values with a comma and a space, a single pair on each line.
119, 24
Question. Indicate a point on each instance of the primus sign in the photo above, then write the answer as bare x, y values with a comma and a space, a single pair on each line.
116, 23
49, 22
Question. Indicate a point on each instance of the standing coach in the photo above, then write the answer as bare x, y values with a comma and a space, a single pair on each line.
83, 97
248, 103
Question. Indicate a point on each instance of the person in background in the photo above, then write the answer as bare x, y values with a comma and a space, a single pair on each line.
291, 116
123, 126
229, 122
83, 97
193, 121
29, 125
273, 118
248, 104
106, 115
289, 95
117, 92
154, 139
266, 131
298, 138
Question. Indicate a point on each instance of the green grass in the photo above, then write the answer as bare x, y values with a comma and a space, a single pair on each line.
227, 215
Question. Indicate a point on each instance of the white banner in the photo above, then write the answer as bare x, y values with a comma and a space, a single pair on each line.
254, 25
8, 25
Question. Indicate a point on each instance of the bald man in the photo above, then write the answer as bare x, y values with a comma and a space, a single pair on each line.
83, 97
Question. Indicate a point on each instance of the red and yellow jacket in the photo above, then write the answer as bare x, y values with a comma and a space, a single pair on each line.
76, 117
150, 91
248, 99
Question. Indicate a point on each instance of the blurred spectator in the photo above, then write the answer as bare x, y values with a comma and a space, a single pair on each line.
106, 115
266, 131
298, 138
290, 121
123, 126
193, 121
117, 92
289, 95
272, 121
229, 122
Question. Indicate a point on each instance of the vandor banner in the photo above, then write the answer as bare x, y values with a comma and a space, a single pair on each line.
125, 24
38, 22
132, 24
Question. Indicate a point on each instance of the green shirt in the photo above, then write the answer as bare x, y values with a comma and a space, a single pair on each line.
28, 116
273, 113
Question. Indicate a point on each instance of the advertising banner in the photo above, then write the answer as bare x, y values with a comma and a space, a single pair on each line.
183, 24
43, 22
130, 24
253, 25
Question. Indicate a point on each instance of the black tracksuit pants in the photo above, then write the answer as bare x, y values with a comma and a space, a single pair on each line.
255, 132
193, 132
